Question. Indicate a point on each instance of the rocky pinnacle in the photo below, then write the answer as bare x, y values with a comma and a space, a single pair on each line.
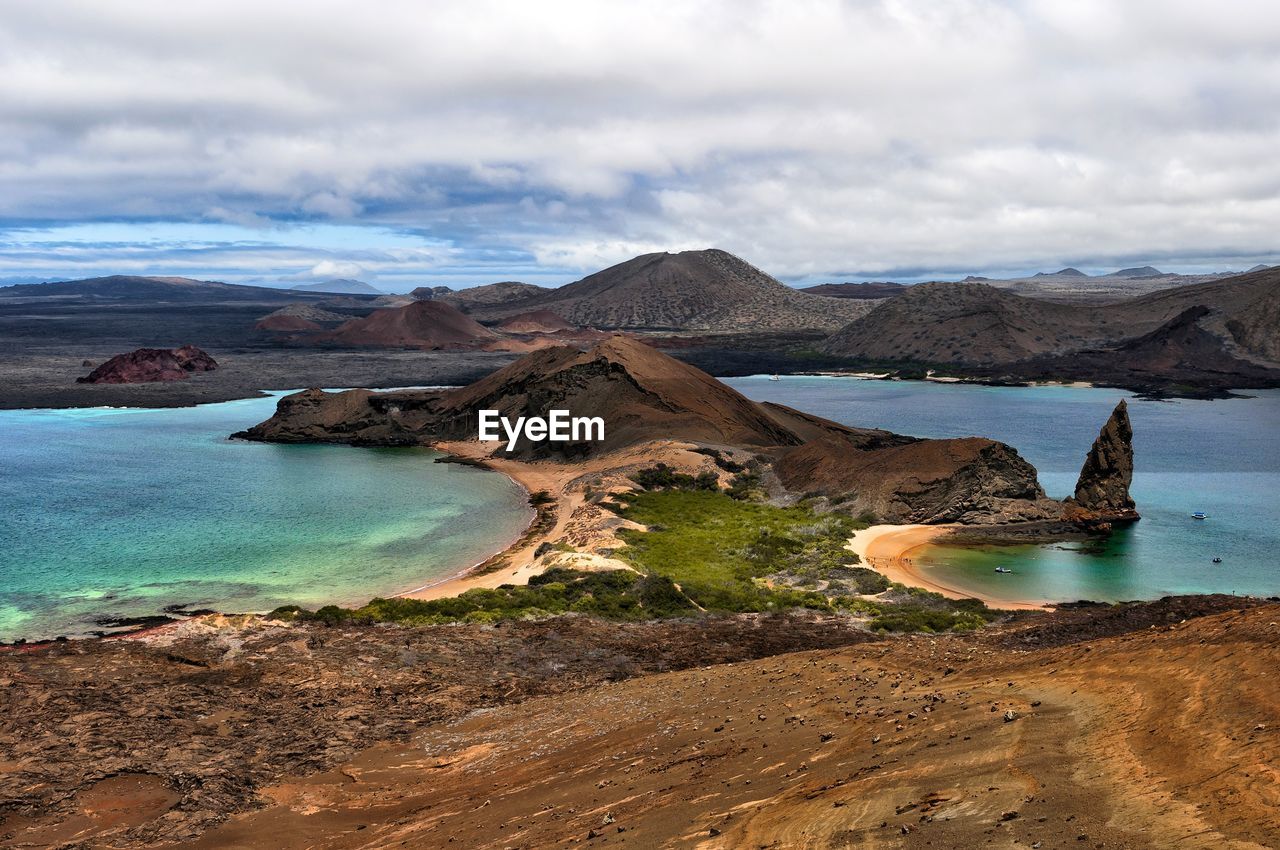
1103, 487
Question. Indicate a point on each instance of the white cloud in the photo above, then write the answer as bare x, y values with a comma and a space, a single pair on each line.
327, 269
811, 137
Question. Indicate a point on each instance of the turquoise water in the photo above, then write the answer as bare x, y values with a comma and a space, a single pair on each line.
1219, 457
123, 512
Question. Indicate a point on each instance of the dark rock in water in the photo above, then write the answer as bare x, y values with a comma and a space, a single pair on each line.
147, 365
1102, 491
131, 623
87, 363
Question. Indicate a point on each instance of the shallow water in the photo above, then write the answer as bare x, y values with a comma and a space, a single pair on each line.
1219, 457
123, 512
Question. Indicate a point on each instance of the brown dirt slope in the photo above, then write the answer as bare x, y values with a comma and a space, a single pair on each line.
422, 324
708, 290
1144, 726
1165, 737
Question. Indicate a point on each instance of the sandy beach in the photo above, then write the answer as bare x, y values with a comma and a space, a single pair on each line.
533, 478
569, 517
891, 549
888, 549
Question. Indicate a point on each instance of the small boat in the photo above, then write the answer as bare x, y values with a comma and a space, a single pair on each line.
1199, 515
1003, 570
774, 378
1217, 560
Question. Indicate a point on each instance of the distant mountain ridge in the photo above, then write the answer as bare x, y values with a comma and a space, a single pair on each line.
339, 286
503, 292
870, 290
1226, 330
152, 289
1140, 271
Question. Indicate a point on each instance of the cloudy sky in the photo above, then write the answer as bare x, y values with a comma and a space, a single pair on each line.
462, 143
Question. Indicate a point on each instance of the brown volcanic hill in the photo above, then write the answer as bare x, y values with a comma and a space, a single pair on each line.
148, 365
534, 322
694, 290
298, 318
973, 324
493, 294
422, 324
965, 323
286, 324
865, 291
643, 395
1180, 349
1244, 311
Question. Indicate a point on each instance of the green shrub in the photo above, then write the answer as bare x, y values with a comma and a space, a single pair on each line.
663, 477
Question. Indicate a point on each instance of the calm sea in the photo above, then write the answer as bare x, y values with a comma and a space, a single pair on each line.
123, 512
1218, 457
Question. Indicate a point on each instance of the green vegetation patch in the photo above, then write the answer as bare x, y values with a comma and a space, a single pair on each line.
718, 549
663, 477
610, 594
703, 551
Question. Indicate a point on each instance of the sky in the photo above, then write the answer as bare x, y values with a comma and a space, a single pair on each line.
461, 143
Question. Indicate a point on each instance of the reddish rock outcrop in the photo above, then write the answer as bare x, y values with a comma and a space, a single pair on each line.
148, 365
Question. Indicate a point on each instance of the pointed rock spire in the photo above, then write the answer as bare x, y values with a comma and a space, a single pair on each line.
1102, 491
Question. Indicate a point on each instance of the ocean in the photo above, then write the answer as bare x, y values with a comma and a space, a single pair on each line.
122, 512
1220, 457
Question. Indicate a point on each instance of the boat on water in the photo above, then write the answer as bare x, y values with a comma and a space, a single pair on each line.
1003, 570
774, 378
1199, 515
1217, 560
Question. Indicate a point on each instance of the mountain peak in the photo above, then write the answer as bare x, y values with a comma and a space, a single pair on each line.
339, 286
706, 290
1138, 271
